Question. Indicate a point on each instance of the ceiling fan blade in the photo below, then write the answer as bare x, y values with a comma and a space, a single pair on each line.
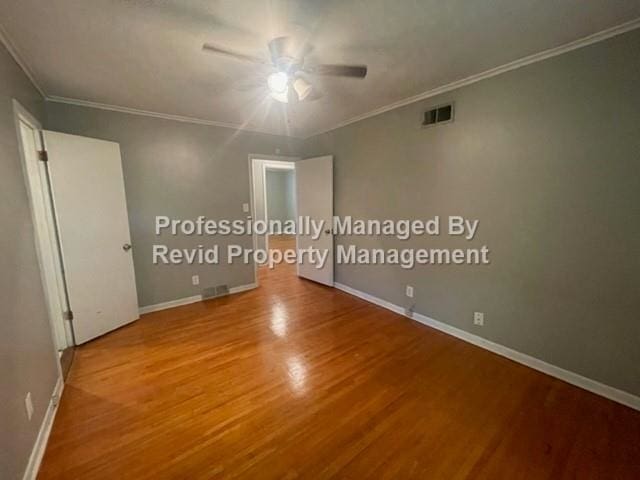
249, 86
353, 71
288, 48
208, 47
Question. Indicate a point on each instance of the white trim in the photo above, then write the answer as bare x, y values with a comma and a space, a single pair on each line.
13, 51
585, 383
44, 226
507, 67
40, 445
170, 304
271, 165
370, 298
20, 111
277, 161
189, 300
165, 116
242, 288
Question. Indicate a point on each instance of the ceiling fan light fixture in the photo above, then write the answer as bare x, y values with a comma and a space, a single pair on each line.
287, 84
281, 97
302, 88
278, 83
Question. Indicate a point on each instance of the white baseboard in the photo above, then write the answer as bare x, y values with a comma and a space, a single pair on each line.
170, 304
243, 288
43, 435
188, 300
593, 386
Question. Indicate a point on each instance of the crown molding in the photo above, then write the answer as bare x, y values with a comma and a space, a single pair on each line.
165, 116
507, 67
537, 57
19, 59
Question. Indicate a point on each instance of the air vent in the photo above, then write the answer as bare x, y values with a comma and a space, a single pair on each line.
441, 114
214, 292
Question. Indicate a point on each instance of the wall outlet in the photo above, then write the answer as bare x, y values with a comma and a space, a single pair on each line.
409, 291
28, 405
195, 280
478, 318
245, 207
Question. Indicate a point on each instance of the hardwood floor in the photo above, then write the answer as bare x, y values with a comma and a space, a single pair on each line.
296, 380
282, 242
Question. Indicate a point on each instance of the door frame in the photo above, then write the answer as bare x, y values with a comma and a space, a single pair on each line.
269, 161
45, 230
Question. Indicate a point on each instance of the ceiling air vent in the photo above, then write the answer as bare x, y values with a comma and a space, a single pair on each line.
441, 114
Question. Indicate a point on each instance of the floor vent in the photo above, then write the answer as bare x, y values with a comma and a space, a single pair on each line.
214, 292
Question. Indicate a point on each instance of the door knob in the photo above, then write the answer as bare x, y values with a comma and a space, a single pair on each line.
126, 247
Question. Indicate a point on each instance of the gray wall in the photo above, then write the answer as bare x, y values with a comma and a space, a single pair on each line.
280, 194
181, 170
547, 157
27, 352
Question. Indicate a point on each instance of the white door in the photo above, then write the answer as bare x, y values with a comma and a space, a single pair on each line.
88, 194
314, 199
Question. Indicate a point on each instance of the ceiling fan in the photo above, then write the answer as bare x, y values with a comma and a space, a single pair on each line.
290, 82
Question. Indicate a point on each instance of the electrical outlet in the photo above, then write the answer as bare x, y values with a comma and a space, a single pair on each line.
245, 207
409, 291
28, 405
478, 318
195, 280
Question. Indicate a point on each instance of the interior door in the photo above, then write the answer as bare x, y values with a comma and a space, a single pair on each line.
87, 188
314, 199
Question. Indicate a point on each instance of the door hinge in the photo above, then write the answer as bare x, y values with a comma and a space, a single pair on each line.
43, 156
68, 315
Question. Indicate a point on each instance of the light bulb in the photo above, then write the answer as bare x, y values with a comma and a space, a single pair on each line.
302, 88
278, 82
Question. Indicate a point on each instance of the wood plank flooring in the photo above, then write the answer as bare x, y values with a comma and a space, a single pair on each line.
294, 380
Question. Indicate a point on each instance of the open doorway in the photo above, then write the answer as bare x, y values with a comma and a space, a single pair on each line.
280, 203
299, 192
273, 190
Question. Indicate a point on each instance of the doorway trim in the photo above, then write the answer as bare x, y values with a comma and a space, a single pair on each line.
45, 232
270, 161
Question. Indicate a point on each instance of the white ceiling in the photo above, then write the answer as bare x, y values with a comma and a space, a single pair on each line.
146, 54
